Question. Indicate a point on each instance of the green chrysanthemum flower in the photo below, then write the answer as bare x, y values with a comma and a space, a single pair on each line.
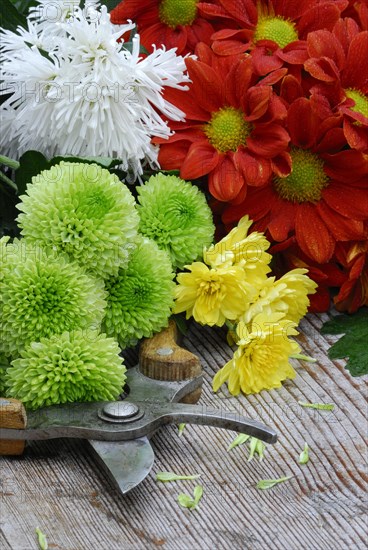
84, 211
140, 298
68, 367
175, 214
43, 294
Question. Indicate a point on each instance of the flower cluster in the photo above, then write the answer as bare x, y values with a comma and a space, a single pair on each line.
76, 89
276, 121
234, 288
82, 267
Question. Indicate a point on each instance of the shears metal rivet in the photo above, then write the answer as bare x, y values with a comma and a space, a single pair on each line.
121, 409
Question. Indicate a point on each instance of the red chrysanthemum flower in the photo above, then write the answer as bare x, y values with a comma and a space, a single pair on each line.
274, 31
173, 23
339, 61
233, 130
323, 200
354, 291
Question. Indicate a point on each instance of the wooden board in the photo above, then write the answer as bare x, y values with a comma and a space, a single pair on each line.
58, 486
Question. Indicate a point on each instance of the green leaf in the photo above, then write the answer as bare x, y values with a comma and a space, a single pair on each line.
42, 541
10, 17
31, 164
239, 440
268, 483
302, 357
187, 502
181, 428
181, 323
170, 476
354, 344
197, 493
256, 446
304, 455
111, 4
318, 406
23, 5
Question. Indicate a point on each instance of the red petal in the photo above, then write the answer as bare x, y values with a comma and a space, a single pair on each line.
333, 141
200, 160
312, 234
282, 221
322, 16
226, 182
206, 85
242, 10
356, 70
171, 156
323, 68
229, 47
268, 140
263, 62
160, 35
257, 204
302, 123
186, 102
281, 164
346, 166
256, 171
255, 102
323, 43
291, 89
342, 228
294, 53
351, 202
356, 136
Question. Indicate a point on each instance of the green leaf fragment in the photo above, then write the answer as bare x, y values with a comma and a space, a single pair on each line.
197, 493
354, 344
42, 541
170, 476
302, 357
304, 455
268, 483
318, 406
191, 503
239, 440
181, 429
256, 446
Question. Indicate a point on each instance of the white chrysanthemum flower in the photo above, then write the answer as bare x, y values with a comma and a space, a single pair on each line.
80, 92
49, 15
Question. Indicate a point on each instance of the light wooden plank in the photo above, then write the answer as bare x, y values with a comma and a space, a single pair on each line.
59, 487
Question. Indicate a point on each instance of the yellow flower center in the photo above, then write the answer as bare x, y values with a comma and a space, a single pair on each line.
307, 178
177, 12
210, 287
227, 129
277, 29
361, 102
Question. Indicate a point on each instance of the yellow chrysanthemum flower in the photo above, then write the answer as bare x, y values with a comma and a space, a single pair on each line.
238, 248
212, 296
261, 361
288, 295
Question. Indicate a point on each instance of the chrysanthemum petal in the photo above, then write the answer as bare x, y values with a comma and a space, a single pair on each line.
312, 234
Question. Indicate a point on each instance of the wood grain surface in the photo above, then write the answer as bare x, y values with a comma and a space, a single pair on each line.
59, 487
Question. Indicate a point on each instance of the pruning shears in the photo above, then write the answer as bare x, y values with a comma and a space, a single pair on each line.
160, 390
